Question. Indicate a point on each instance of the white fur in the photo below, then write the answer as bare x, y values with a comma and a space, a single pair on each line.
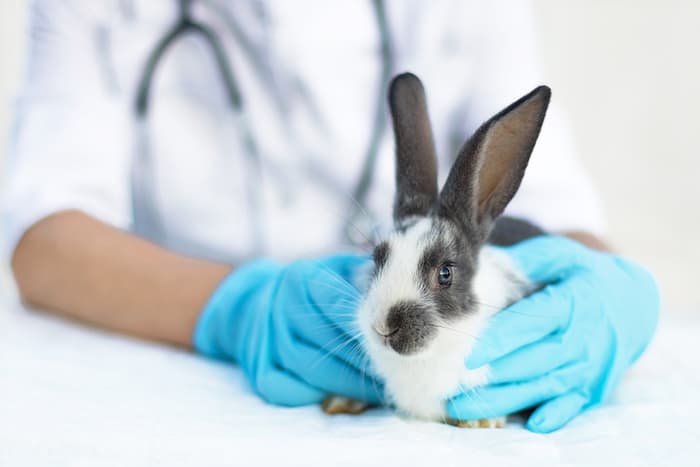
398, 279
418, 384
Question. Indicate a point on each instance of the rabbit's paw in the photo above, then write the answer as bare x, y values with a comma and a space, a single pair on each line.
334, 405
498, 422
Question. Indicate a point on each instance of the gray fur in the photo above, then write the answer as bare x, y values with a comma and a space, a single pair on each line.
511, 230
448, 246
492, 163
484, 178
380, 255
416, 162
410, 326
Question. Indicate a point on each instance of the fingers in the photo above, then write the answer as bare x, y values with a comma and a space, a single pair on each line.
330, 291
324, 371
329, 327
329, 341
543, 313
315, 333
556, 413
280, 387
502, 400
532, 361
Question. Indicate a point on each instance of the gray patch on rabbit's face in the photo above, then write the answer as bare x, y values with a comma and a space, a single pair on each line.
409, 303
449, 247
380, 255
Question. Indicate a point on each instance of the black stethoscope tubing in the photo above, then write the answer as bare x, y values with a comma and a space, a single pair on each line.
187, 24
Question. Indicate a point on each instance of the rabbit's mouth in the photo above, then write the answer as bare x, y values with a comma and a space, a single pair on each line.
384, 334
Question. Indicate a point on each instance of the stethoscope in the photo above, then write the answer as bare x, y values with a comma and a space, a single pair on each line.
359, 225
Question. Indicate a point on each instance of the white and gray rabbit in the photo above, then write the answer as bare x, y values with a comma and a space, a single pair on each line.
436, 281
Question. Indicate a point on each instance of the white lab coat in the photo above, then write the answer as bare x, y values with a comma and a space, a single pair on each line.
308, 71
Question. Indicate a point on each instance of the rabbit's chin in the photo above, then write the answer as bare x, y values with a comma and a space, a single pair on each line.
419, 384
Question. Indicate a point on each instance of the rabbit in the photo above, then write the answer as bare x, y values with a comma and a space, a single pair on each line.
436, 280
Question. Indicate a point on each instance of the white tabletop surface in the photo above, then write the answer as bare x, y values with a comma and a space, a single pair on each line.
74, 396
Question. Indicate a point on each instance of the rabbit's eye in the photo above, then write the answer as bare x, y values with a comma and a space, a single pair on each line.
444, 277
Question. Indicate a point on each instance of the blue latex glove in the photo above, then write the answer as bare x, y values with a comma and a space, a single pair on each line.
291, 330
566, 346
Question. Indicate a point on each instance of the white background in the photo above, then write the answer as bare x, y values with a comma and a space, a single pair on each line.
627, 73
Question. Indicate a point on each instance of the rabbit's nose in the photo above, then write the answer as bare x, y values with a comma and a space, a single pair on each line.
404, 327
395, 322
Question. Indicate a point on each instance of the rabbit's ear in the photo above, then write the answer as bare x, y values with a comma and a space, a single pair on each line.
492, 163
416, 163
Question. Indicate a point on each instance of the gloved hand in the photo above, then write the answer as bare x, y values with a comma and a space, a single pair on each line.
291, 330
566, 346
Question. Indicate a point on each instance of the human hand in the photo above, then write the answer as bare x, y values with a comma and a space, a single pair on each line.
565, 347
291, 330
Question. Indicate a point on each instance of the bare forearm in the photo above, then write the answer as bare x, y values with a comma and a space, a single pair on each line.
588, 239
77, 266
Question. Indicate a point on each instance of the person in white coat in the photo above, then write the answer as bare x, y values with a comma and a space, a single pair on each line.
133, 198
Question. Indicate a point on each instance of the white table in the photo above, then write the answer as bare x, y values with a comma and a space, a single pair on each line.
74, 396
